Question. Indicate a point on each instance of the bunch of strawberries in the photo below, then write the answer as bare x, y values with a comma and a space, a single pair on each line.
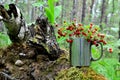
89, 32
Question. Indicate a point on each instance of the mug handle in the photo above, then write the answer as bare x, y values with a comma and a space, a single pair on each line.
95, 59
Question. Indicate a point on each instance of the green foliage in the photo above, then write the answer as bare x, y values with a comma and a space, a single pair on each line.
96, 51
106, 67
51, 11
4, 40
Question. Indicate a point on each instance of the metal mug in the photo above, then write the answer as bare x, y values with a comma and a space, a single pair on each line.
80, 52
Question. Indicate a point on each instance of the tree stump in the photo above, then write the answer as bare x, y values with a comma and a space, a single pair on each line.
40, 35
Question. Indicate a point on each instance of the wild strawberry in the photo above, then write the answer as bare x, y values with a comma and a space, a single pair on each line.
91, 37
96, 29
77, 32
70, 34
93, 31
71, 28
104, 42
88, 40
81, 29
101, 40
110, 50
91, 24
94, 42
60, 33
102, 35
83, 33
88, 31
98, 35
79, 24
69, 40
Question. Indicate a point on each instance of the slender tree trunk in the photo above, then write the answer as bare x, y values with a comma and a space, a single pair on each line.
83, 11
102, 13
91, 9
74, 12
106, 15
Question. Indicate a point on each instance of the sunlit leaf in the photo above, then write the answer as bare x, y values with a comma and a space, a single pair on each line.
57, 12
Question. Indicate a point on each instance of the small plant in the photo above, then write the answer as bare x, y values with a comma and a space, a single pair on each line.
76, 30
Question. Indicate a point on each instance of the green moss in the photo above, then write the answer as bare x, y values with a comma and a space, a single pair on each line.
78, 74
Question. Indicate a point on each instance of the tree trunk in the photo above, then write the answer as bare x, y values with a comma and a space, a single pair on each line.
74, 12
102, 13
91, 9
83, 11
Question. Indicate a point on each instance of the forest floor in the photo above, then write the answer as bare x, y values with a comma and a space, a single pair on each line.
20, 62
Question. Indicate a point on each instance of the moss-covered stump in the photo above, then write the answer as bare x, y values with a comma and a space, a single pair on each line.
39, 67
79, 74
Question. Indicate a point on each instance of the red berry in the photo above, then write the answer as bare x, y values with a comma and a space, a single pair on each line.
88, 40
83, 33
88, 31
110, 50
94, 42
100, 40
79, 24
91, 26
70, 34
91, 37
104, 42
102, 35
98, 35
69, 40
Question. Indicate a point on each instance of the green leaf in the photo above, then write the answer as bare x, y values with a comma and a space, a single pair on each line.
49, 15
57, 12
51, 5
6, 6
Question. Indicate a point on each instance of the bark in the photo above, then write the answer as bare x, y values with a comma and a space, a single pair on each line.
41, 35
102, 13
74, 12
106, 15
43, 38
91, 9
83, 11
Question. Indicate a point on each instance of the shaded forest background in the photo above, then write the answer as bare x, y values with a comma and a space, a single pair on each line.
100, 12
104, 13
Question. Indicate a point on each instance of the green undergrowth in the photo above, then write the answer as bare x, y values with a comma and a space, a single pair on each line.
107, 67
4, 40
